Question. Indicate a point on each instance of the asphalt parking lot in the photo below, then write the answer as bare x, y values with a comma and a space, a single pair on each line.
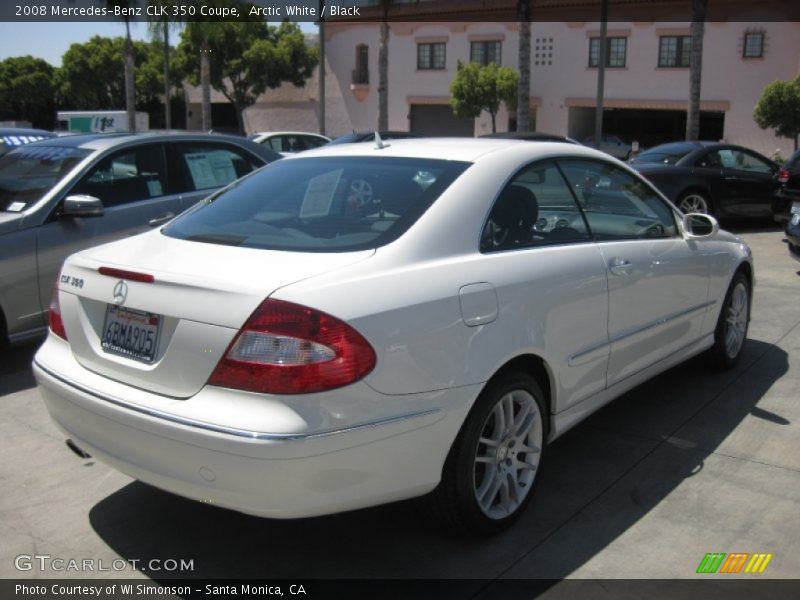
694, 461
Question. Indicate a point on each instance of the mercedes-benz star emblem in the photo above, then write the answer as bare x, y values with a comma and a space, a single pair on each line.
120, 292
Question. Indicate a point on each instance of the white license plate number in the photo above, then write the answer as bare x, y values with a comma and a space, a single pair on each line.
131, 333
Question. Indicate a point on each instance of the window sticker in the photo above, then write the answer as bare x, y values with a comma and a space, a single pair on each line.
15, 206
319, 194
154, 188
726, 157
201, 170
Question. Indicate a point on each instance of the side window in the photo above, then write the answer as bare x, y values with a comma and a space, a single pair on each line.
127, 176
536, 208
748, 162
207, 166
617, 205
313, 142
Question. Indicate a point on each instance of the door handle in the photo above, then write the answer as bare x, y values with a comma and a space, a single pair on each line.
620, 266
161, 220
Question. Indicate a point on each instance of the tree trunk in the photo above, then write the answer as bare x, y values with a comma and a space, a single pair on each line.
494, 123
167, 105
321, 69
696, 69
130, 81
239, 117
383, 77
524, 90
205, 84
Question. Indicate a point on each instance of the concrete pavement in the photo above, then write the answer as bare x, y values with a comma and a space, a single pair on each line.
694, 461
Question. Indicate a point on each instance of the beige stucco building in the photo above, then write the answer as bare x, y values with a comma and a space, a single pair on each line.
646, 86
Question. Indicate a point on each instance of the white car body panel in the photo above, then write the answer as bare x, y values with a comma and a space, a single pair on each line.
442, 318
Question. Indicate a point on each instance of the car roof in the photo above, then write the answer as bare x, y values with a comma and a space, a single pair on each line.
21, 131
259, 133
103, 141
457, 148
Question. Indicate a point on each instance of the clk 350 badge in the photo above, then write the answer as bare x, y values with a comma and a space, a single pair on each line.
73, 281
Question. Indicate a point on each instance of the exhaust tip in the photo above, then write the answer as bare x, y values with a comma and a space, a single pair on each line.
74, 447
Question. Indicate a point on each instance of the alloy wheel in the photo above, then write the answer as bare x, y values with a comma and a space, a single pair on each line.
736, 320
693, 203
508, 453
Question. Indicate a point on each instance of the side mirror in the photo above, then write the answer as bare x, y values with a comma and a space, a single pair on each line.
700, 225
80, 205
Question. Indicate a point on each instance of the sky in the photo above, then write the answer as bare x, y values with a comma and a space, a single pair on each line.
50, 40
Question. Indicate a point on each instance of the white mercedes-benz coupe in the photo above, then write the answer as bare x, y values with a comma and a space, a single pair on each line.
366, 323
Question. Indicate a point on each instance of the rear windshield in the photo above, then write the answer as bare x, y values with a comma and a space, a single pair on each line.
666, 154
28, 173
321, 204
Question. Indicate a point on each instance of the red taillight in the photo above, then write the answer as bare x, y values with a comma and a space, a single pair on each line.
129, 275
783, 176
54, 316
285, 348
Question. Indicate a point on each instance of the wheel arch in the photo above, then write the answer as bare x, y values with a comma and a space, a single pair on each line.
536, 367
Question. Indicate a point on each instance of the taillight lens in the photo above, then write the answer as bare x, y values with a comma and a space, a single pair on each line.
285, 348
783, 176
54, 315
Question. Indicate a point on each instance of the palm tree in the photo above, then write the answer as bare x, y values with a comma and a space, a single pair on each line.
159, 31
383, 69
699, 9
524, 91
201, 33
128, 61
601, 74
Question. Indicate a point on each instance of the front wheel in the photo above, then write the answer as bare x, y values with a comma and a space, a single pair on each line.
694, 202
734, 318
490, 473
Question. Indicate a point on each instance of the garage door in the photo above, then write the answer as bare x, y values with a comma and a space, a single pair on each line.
438, 119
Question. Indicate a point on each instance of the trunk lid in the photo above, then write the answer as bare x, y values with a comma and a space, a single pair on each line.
200, 296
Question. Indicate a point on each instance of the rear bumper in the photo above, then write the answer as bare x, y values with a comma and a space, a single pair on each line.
281, 474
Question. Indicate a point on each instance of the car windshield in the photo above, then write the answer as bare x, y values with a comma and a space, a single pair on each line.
28, 173
667, 154
320, 204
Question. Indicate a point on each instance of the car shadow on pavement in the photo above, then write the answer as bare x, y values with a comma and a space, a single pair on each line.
15, 368
597, 481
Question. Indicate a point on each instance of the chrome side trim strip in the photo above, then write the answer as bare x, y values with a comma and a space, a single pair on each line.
243, 433
576, 357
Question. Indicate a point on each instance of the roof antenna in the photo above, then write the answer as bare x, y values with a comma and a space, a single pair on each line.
379, 143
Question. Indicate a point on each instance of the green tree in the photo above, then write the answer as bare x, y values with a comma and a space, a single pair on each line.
779, 109
246, 58
476, 88
27, 91
90, 77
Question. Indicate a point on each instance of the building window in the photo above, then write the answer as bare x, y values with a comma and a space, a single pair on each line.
361, 72
543, 52
431, 56
753, 45
674, 50
484, 53
615, 51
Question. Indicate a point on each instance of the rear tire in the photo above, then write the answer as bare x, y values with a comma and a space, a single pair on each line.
734, 319
491, 470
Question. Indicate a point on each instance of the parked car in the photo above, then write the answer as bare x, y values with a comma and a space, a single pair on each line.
64, 194
13, 137
793, 231
531, 136
611, 144
710, 177
431, 336
788, 189
290, 142
369, 136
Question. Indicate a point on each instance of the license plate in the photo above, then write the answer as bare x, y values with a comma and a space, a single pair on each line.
796, 208
131, 333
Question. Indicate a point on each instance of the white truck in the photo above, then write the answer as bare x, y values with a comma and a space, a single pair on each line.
99, 121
